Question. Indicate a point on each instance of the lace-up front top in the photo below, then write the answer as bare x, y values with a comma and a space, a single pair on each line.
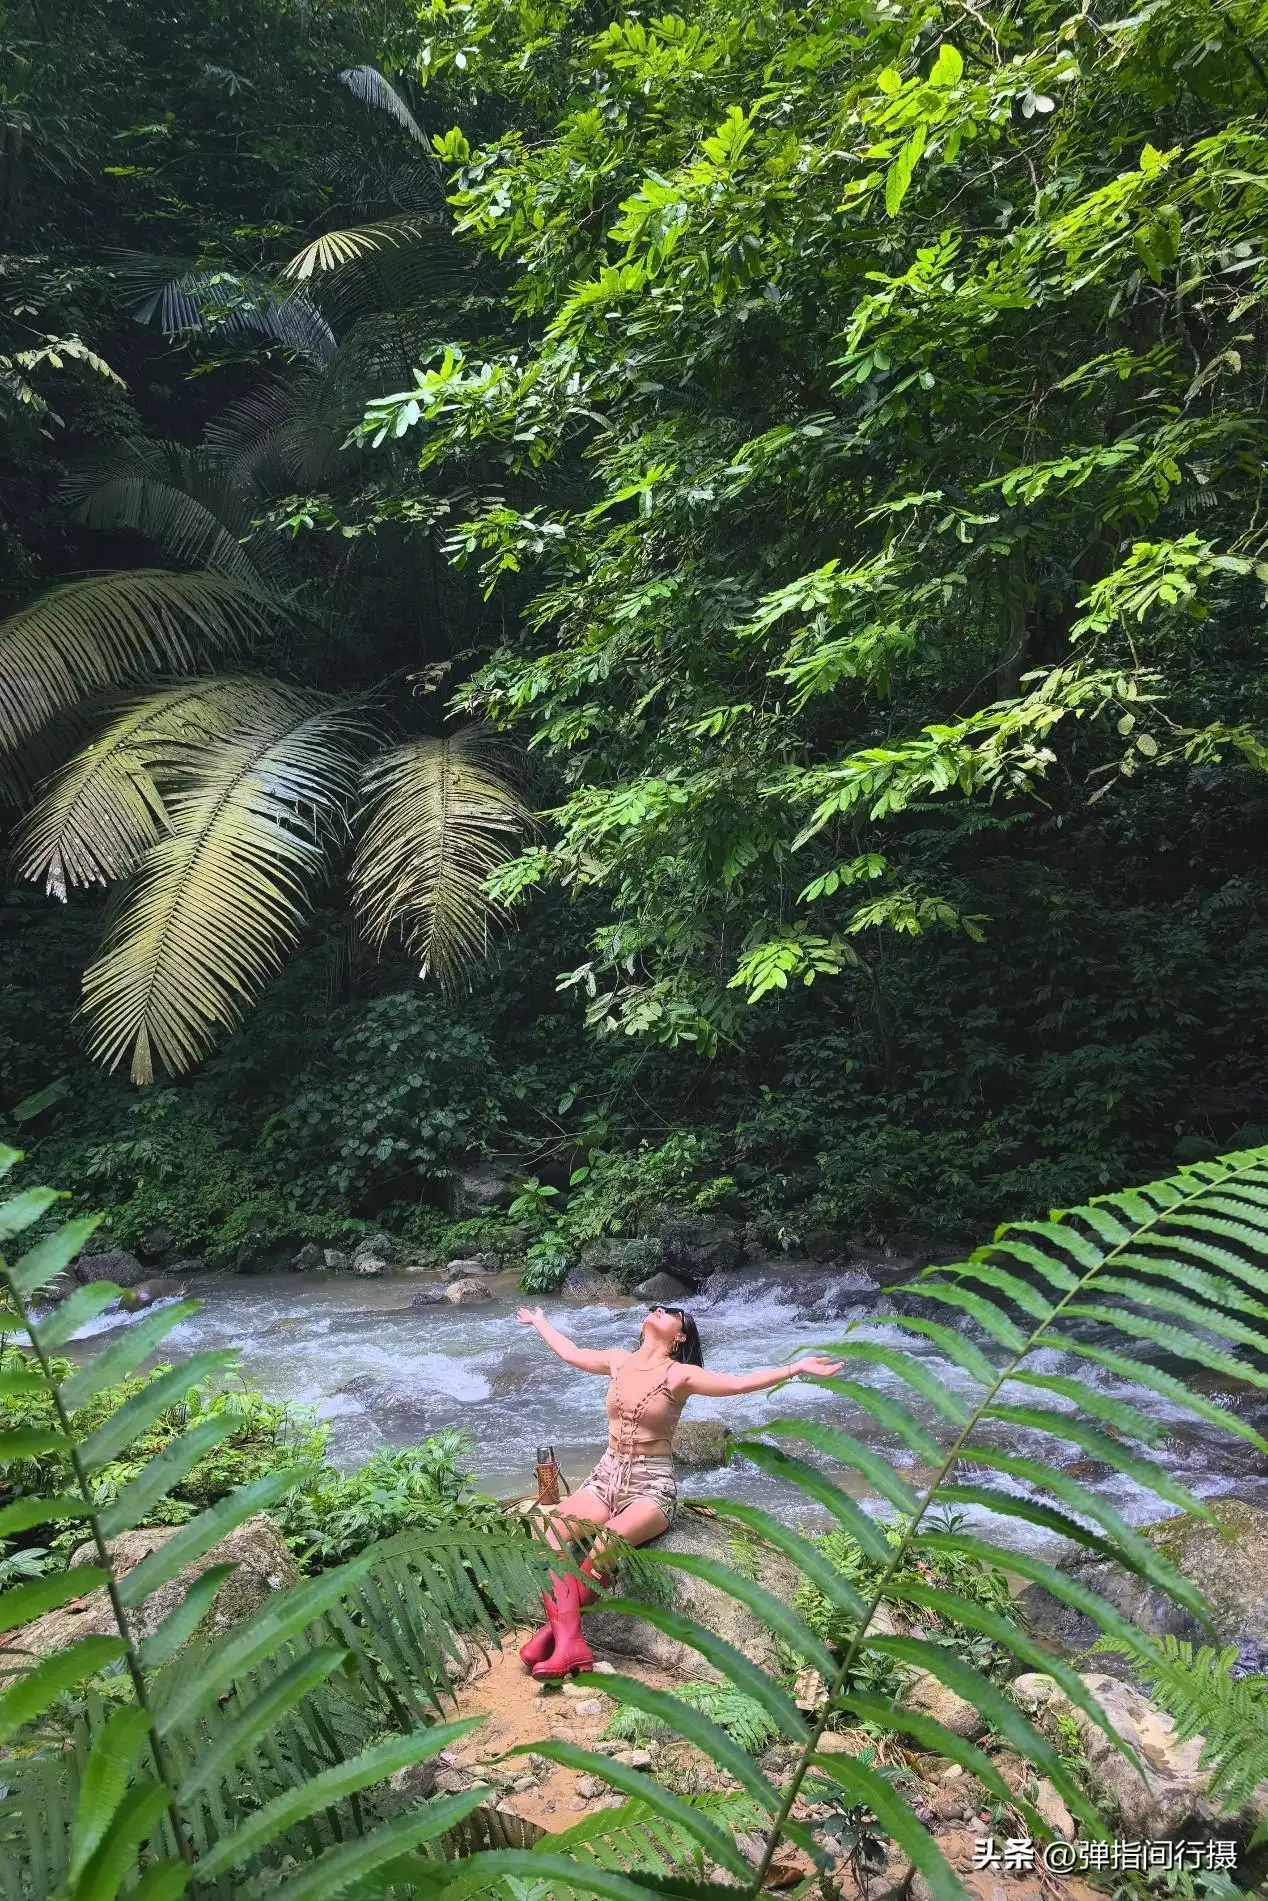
642, 1416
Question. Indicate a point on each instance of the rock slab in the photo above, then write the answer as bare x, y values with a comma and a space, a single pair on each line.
263, 1564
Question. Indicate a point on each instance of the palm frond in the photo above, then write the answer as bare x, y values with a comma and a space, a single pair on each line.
437, 818
367, 84
219, 901
104, 808
179, 296
335, 249
281, 434
87, 636
183, 500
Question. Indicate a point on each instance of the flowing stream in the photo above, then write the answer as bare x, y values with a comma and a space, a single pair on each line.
384, 1373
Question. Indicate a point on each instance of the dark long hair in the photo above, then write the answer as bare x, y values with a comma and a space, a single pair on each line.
688, 1351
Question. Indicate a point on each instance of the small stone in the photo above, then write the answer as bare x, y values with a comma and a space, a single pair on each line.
809, 1690
949, 1775
591, 1708
590, 1786
633, 1758
415, 1781
1052, 1810
605, 1669
522, 1785
576, 1803
833, 1744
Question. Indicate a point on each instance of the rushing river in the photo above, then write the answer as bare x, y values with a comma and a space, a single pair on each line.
383, 1373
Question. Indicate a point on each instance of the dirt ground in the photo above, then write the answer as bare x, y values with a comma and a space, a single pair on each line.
520, 1711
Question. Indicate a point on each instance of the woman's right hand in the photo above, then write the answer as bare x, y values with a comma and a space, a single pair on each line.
531, 1317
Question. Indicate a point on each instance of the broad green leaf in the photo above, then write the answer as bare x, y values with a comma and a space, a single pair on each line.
339, 1868
210, 1526
318, 1792
899, 175
960, 1352
766, 1607
104, 1782
725, 1658
807, 1557
48, 1257
165, 1881
23, 1602
282, 1616
164, 1471
9, 1158
672, 1807
861, 1781
817, 1485
892, 1416
948, 68
1070, 1427
138, 1414
19, 1383
930, 1734
844, 1447
24, 1210
30, 1442
37, 1688
1159, 1382
260, 1715
25, 1513
53, 1331
1003, 1716
690, 1723
180, 1624
124, 1355
133, 1822
906, 1367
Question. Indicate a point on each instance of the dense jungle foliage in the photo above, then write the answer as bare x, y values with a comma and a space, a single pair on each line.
826, 447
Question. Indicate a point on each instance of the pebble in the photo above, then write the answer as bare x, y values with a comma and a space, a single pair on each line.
633, 1758
605, 1669
575, 1803
593, 1708
590, 1786
949, 1775
522, 1785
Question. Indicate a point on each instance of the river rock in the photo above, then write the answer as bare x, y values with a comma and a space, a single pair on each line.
695, 1245
475, 1264
336, 1260
1171, 1798
309, 1257
256, 1548
428, 1296
1227, 1560
700, 1537
464, 1293
157, 1245
700, 1444
135, 1299
932, 1698
120, 1267
379, 1248
665, 1287
482, 1189
368, 1264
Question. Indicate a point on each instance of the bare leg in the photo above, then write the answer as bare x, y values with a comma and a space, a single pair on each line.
636, 1523
583, 1509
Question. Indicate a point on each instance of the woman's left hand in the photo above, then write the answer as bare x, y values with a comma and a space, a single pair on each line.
818, 1365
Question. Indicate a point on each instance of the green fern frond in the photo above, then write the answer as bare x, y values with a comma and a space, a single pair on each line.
1199, 1692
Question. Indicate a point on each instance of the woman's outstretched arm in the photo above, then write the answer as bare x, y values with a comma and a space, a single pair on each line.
568, 1350
710, 1385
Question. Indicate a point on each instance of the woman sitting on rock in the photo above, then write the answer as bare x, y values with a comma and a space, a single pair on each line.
632, 1491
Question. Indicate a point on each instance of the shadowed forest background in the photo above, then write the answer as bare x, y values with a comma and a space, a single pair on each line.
853, 554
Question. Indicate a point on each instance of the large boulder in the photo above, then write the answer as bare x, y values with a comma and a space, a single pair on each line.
373, 1254
255, 1548
695, 1245
1170, 1798
664, 1286
462, 1268
700, 1444
124, 1269
483, 1189
1227, 1560
464, 1293
699, 1536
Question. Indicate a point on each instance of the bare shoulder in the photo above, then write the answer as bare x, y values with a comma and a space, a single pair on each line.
681, 1378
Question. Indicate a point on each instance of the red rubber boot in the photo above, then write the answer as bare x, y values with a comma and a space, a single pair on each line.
542, 1642
571, 1650
586, 1594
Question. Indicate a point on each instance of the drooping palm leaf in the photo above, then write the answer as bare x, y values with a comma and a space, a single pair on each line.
218, 902
282, 433
368, 84
180, 296
86, 636
438, 817
183, 500
104, 808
